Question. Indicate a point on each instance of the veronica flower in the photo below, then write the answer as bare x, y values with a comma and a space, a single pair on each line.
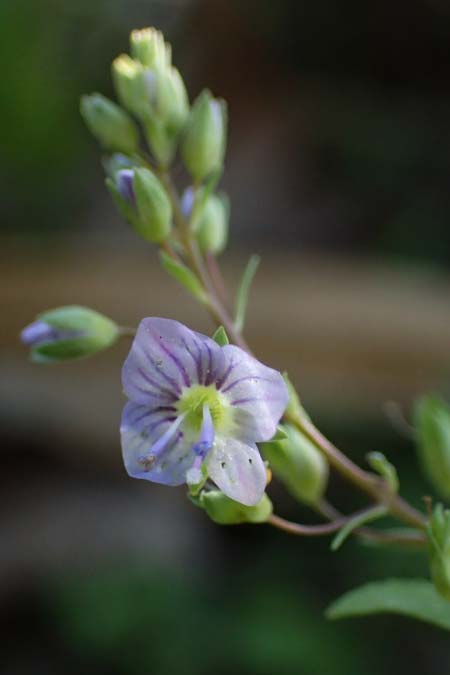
197, 409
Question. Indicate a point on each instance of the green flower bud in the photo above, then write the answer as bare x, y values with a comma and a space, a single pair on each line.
212, 224
439, 549
153, 206
132, 89
298, 464
68, 333
224, 511
432, 421
110, 125
148, 47
203, 146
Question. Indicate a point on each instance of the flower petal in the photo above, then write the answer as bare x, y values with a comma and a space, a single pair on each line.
165, 358
258, 393
141, 428
238, 470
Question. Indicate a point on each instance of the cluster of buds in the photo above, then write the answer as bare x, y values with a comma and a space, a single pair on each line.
154, 106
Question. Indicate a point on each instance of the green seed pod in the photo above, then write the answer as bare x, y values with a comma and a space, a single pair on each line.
298, 464
432, 421
203, 146
153, 206
224, 511
439, 549
67, 333
212, 225
110, 125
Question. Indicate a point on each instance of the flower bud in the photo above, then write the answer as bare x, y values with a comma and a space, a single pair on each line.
212, 224
143, 202
298, 464
224, 511
133, 90
67, 333
439, 549
148, 47
110, 125
203, 146
432, 421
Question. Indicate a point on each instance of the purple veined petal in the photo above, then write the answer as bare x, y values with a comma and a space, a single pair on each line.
165, 358
140, 430
238, 470
258, 393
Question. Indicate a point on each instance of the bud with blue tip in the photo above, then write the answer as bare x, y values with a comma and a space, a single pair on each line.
432, 422
67, 333
203, 146
439, 549
225, 511
143, 201
111, 126
298, 464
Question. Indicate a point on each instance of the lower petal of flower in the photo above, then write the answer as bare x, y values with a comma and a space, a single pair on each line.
238, 470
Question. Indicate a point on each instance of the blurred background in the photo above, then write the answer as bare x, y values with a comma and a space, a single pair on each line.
338, 171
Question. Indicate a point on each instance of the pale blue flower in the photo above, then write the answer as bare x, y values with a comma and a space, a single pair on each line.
197, 408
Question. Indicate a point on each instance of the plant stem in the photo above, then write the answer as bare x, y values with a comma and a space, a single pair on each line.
315, 530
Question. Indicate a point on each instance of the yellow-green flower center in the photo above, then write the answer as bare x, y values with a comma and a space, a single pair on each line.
194, 398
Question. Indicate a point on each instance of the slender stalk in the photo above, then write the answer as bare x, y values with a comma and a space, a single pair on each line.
314, 530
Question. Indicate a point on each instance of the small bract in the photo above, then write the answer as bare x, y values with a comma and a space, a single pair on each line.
198, 408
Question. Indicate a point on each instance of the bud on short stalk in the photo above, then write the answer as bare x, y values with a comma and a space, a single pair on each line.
111, 126
67, 333
298, 464
203, 147
212, 224
143, 201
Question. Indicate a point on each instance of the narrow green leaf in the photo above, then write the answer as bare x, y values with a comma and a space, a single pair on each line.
243, 291
382, 465
183, 275
363, 518
415, 598
220, 336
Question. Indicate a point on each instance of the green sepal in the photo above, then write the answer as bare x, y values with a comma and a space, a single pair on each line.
369, 516
294, 410
244, 290
109, 123
220, 336
183, 275
225, 511
381, 464
153, 206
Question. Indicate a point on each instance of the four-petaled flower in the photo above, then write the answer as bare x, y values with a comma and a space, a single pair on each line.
197, 409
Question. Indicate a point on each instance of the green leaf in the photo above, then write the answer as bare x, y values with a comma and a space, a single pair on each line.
220, 336
381, 464
280, 434
243, 291
365, 517
183, 275
416, 598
